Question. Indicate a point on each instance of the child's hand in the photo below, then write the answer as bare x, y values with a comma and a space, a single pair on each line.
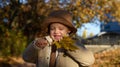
41, 42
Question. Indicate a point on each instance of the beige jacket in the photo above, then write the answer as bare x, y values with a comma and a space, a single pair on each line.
41, 57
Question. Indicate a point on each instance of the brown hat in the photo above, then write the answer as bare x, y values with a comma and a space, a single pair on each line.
60, 16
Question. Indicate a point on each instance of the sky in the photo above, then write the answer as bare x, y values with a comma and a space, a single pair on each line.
23, 1
91, 27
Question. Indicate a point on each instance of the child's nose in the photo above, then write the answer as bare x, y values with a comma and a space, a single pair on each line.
56, 30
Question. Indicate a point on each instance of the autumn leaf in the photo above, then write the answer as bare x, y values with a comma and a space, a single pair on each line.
66, 43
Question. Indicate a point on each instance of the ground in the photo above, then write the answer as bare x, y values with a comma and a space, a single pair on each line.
109, 58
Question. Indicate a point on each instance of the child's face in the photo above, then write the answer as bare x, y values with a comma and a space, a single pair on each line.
57, 31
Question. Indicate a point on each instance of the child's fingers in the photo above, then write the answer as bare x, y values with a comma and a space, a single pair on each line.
41, 43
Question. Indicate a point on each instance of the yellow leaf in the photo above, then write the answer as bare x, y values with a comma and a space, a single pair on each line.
67, 43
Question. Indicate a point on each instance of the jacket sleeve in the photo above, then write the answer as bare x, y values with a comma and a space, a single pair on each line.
82, 56
30, 53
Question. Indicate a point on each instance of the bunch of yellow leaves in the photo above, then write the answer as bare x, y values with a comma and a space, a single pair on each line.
67, 43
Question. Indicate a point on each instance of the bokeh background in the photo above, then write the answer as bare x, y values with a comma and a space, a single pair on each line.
97, 21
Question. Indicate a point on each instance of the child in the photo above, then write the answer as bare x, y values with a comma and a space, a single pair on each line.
43, 51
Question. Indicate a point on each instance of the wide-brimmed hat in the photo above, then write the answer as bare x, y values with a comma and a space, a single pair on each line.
59, 16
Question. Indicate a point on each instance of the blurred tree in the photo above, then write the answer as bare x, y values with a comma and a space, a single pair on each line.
32, 13
91, 35
84, 35
28, 17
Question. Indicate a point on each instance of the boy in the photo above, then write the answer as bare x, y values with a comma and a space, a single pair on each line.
43, 52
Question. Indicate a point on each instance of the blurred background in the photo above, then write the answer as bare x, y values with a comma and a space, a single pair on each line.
97, 21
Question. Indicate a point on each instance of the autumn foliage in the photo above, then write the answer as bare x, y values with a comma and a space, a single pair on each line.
27, 18
110, 58
66, 43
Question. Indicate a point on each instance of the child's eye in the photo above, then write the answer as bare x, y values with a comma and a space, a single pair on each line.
60, 28
51, 28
